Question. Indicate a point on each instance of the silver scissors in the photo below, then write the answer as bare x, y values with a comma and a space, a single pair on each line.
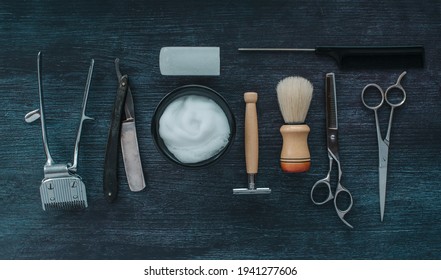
383, 145
333, 154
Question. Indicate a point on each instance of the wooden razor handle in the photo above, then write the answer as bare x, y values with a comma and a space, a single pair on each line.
251, 133
295, 157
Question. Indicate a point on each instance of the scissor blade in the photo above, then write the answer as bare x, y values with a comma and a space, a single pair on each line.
383, 178
331, 115
331, 102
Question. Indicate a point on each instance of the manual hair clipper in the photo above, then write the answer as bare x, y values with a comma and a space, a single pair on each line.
61, 188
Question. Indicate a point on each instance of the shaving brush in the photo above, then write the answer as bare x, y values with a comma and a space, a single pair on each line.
294, 95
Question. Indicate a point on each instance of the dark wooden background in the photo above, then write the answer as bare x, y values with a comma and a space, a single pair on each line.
192, 214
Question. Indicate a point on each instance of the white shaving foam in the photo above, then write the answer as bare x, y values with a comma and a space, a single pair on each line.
194, 128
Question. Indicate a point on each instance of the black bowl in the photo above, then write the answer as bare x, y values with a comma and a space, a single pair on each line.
184, 91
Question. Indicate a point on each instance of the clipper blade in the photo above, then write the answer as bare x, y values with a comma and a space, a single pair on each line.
68, 193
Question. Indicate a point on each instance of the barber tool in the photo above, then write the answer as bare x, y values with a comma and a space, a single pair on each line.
364, 57
383, 145
189, 61
129, 142
333, 154
294, 95
110, 179
251, 146
124, 132
61, 188
193, 126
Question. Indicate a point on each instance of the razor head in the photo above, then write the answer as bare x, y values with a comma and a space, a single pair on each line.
252, 191
65, 193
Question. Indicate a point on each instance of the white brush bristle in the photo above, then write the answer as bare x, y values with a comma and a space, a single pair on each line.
294, 95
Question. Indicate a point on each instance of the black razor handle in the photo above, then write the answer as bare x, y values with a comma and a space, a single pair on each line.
375, 57
110, 180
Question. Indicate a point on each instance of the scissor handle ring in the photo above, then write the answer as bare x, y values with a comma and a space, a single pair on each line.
341, 214
401, 89
340, 189
382, 96
326, 182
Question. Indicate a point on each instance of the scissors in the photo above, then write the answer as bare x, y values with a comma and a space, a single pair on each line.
333, 154
383, 145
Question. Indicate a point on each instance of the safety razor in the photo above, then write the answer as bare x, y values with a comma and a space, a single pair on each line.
251, 146
61, 188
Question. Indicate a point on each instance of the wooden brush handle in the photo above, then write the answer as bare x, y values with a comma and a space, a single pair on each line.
251, 133
295, 157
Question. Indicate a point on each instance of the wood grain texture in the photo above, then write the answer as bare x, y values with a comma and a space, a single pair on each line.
192, 214
251, 133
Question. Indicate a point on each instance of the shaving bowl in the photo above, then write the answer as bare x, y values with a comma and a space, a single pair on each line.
191, 90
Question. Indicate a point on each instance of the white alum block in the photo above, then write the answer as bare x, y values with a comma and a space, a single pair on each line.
189, 61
